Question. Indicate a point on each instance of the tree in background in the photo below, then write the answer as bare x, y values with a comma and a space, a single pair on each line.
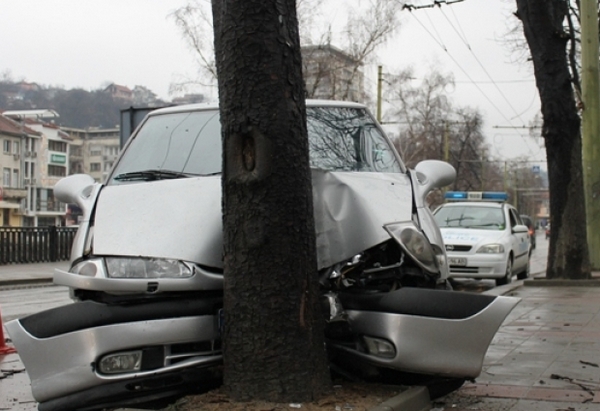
273, 338
545, 27
429, 126
368, 26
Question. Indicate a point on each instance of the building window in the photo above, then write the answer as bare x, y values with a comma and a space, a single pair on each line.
95, 150
6, 145
95, 167
111, 150
15, 178
6, 177
57, 171
108, 165
30, 144
59, 146
15, 147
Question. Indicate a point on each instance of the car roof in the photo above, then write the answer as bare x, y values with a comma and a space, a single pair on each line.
214, 106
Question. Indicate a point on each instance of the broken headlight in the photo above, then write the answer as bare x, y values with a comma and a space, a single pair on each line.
415, 244
124, 267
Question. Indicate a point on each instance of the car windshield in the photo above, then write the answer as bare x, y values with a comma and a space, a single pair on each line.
176, 145
470, 216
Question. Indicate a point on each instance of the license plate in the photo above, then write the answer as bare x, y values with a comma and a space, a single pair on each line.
458, 261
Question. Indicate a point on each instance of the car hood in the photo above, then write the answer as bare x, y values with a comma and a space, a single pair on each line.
471, 236
181, 219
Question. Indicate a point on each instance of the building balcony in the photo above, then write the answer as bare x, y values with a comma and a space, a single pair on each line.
14, 193
51, 206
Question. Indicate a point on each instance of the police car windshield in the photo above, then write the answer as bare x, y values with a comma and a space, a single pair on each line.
470, 216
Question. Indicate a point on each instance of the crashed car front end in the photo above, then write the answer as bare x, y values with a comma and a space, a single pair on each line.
152, 235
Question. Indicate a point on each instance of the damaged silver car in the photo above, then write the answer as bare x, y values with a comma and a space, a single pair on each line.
147, 272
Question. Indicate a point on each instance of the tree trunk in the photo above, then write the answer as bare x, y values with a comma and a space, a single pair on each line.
543, 27
273, 328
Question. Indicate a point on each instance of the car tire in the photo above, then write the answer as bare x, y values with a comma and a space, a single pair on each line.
508, 275
523, 275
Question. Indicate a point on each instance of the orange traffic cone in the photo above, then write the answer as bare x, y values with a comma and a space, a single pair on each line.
4, 349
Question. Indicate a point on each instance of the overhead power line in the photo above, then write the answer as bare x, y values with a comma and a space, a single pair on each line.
437, 3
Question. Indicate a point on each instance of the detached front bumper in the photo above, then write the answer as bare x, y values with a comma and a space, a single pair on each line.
433, 332
61, 348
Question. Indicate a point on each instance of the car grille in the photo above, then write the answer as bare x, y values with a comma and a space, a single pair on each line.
464, 270
459, 248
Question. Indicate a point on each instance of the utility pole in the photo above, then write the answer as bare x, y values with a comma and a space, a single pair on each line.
379, 84
446, 144
591, 126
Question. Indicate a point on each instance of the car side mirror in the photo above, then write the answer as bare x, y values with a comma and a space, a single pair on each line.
76, 189
434, 174
520, 229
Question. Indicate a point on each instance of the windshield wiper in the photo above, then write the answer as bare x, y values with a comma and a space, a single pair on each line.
150, 175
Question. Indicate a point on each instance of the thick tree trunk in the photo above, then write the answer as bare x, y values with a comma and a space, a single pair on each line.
273, 328
543, 26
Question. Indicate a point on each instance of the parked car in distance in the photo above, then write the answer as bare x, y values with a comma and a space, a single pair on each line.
484, 239
528, 221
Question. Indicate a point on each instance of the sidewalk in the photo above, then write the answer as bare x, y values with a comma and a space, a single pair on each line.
545, 356
16, 274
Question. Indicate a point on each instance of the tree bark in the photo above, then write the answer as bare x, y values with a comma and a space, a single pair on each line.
273, 328
543, 22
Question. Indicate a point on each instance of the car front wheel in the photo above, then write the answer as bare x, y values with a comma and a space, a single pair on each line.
525, 274
508, 275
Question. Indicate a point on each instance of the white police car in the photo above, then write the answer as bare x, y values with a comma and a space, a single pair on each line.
484, 236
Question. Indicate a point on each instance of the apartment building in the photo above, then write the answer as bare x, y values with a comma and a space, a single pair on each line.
18, 144
93, 151
331, 74
40, 155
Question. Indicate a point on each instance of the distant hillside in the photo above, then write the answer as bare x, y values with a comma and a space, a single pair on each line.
76, 107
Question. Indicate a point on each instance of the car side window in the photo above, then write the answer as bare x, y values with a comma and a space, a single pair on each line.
347, 139
514, 218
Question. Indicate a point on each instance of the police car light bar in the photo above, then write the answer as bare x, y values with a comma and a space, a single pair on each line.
476, 196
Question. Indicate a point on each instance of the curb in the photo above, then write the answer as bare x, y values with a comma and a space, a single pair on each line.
25, 281
412, 399
543, 282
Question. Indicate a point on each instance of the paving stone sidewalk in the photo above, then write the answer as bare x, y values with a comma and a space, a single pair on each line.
545, 356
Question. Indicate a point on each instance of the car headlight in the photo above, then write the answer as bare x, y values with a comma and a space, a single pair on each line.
415, 244
491, 249
123, 267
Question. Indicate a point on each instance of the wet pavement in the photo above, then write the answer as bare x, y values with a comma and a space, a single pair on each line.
545, 356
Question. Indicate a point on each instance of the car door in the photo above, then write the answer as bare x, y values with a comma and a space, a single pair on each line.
519, 240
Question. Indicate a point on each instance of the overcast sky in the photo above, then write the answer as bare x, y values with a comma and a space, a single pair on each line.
89, 43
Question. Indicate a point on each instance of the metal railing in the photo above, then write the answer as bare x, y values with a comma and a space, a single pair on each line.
20, 245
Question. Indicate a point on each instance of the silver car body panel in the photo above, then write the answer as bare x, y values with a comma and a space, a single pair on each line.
428, 345
350, 211
352, 208
64, 364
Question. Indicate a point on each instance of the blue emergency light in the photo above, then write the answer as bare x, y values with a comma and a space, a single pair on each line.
476, 196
